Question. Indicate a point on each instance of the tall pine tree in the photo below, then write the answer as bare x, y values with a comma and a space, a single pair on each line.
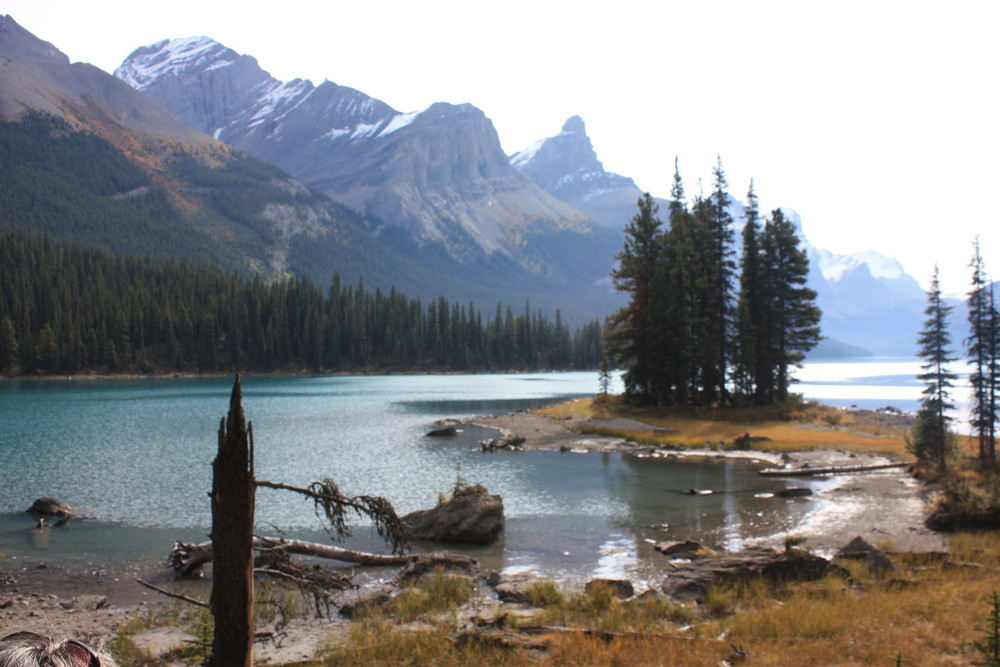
631, 334
981, 348
750, 306
930, 434
791, 315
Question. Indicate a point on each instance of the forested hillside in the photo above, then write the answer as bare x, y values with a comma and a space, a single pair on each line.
74, 309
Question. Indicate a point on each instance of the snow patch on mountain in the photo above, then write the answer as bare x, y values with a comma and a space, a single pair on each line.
399, 122
169, 57
280, 99
523, 158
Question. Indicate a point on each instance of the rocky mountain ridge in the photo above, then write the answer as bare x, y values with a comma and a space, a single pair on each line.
566, 166
439, 173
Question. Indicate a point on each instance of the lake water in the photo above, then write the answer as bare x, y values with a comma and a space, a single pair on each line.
137, 454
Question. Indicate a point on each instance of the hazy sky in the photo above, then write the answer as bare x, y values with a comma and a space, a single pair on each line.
876, 121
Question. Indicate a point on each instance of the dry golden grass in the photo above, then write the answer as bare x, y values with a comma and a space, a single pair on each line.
927, 613
790, 427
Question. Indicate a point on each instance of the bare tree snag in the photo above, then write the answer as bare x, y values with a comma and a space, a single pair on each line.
233, 490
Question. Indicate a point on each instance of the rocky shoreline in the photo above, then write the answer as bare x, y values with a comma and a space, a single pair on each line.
886, 508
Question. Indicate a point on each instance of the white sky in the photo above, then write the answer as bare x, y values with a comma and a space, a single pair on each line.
876, 120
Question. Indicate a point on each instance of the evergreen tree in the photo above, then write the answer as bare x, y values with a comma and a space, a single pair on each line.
678, 287
631, 334
980, 347
714, 244
791, 316
750, 310
8, 346
930, 435
604, 376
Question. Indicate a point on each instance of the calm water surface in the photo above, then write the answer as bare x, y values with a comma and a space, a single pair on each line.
137, 454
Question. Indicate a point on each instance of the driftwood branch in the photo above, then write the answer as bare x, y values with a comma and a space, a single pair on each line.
176, 596
186, 558
831, 470
335, 507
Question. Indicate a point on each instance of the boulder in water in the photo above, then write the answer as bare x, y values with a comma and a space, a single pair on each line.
50, 507
443, 432
470, 518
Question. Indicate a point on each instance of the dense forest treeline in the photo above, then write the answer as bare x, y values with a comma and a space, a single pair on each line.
70, 309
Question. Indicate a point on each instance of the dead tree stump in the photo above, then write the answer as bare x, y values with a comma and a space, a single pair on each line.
233, 490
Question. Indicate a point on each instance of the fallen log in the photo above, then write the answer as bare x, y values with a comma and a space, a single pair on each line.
185, 558
176, 596
830, 470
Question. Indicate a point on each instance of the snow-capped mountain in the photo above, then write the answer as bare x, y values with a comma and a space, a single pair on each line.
870, 304
439, 173
566, 166
185, 193
868, 300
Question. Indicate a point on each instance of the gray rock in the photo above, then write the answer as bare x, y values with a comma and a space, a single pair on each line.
423, 565
477, 519
86, 602
861, 549
50, 507
512, 588
509, 442
444, 431
690, 581
686, 549
794, 492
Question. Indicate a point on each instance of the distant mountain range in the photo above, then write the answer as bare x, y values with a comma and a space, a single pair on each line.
426, 201
870, 304
440, 174
191, 194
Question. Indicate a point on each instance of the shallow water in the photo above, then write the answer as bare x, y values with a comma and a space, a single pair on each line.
137, 454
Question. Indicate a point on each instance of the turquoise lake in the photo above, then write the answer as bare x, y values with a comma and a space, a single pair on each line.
137, 455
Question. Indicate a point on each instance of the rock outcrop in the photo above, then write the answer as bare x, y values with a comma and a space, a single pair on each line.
861, 549
473, 518
690, 581
566, 166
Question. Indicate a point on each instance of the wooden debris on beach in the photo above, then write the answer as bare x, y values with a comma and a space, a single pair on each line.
828, 470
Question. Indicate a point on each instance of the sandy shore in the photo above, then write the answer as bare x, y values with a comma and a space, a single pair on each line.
887, 508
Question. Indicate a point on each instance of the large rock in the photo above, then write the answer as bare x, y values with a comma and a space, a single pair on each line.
477, 519
50, 507
512, 588
690, 581
685, 549
861, 549
424, 565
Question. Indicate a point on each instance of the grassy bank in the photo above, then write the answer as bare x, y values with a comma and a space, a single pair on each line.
930, 611
789, 427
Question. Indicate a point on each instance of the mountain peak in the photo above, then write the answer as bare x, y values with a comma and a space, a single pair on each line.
566, 166
173, 57
575, 125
